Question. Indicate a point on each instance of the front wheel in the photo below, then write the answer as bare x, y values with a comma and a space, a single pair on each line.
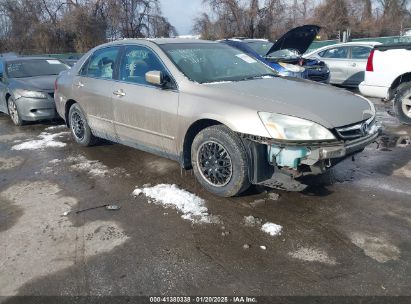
79, 127
14, 112
402, 103
220, 162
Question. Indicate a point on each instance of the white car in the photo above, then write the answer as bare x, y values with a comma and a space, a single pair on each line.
388, 76
346, 61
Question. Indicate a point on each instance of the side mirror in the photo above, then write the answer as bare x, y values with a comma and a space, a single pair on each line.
155, 77
161, 79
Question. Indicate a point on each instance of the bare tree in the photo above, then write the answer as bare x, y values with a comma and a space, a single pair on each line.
44, 26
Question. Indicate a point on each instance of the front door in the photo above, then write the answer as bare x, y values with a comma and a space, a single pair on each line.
93, 90
145, 115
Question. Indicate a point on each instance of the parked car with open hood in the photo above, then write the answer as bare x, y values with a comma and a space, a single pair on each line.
346, 61
215, 109
285, 55
286, 70
27, 87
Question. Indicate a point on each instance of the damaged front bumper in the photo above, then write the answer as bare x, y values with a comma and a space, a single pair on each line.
278, 164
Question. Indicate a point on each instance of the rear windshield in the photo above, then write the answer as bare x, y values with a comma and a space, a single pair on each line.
35, 67
261, 47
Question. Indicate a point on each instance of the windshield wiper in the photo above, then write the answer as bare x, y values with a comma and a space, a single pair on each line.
259, 76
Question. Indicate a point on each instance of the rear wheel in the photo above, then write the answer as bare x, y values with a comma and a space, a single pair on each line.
402, 103
79, 127
14, 112
220, 162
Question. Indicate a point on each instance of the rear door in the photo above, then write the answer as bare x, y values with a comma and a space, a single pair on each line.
336, 59
145, 115
356, 66
93, 90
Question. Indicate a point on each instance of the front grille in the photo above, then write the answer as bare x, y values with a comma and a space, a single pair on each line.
318, 78
357, 130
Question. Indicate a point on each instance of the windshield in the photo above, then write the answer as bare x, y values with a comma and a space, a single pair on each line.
215, 62
285, 54
261, 47
35, 67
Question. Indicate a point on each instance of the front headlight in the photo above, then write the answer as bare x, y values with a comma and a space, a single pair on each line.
30, 94
286, 127
292, 68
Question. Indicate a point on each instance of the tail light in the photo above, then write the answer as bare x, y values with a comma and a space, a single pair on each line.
370, 62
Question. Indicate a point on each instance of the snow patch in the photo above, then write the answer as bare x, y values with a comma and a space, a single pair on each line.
376, 247
251, 221
170, 196
59, 127
137, 192
45, 140
272, 229
92, 167
313, 255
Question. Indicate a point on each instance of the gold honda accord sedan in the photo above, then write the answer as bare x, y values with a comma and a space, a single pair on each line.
214, 109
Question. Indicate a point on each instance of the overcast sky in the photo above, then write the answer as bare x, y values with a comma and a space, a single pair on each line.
181, 13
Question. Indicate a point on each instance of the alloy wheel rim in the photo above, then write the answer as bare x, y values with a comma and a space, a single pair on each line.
77, 125
13, 111
406, 105
214, 164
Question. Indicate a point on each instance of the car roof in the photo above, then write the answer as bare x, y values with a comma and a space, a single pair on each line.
160, 41
26, 58
246, 39
365, 43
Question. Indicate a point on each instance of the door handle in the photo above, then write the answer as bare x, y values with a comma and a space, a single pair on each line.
80, 84
119, 93
354, 65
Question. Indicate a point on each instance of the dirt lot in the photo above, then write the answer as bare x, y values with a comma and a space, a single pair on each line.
347, 234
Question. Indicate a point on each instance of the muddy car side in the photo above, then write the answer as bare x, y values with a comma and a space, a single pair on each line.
232, 132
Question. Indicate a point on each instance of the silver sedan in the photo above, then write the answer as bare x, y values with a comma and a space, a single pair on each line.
27, 87
346, 61
215, 109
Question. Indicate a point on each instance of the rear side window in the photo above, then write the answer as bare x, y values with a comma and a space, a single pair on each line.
360, 52
136, 62
336, 53
101, 64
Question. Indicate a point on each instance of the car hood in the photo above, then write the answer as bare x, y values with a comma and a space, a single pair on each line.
299, 38
42, 83
323, 104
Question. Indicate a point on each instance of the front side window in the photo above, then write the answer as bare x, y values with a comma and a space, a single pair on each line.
214, 62
360, 52
101, 63
136, 62
34, 68
335, 53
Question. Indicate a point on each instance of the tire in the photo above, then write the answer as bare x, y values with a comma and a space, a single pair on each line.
80, 130
220, 161
14, 112
402, 103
